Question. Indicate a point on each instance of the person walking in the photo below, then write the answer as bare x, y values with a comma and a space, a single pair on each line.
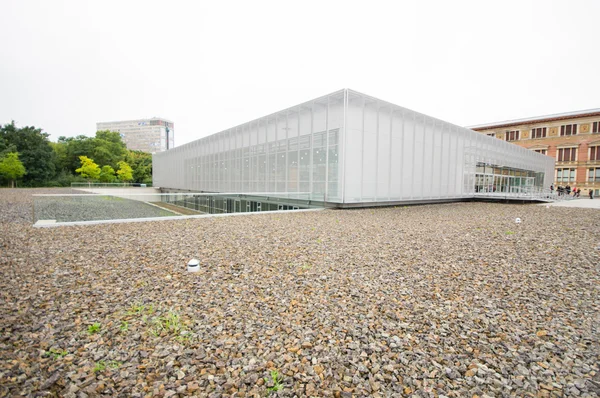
591, 193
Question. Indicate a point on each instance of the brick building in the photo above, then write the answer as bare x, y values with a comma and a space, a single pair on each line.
572, 139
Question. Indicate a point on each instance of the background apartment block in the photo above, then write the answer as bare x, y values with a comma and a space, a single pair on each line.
572, 139
147, 135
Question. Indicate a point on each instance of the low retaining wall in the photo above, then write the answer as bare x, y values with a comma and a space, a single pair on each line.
133, 193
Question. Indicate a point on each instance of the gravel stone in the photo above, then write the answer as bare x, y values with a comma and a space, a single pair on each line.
435, 300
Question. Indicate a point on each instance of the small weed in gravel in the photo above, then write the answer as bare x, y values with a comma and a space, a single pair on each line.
94, 328
55, 353
170, 323
114, 364
136, 309
276, 379
99, 367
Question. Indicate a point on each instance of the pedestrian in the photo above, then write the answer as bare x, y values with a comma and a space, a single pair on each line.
578, 192
591, 193
568, 189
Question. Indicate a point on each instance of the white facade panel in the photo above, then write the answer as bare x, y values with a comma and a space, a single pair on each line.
349, 148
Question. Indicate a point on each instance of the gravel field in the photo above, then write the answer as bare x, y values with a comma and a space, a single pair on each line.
448, 300
88, 208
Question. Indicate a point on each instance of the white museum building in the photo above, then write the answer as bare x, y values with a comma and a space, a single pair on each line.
348, 149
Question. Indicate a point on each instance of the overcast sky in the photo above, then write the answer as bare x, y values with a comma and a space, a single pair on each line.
208, 66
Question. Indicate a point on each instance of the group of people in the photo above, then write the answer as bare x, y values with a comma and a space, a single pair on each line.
566, 190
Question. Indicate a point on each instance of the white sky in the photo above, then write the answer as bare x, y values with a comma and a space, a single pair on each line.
211, 65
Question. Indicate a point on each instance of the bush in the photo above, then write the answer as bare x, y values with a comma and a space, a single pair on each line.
63, 179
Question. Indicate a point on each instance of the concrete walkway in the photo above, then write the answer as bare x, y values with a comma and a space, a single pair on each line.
585, 203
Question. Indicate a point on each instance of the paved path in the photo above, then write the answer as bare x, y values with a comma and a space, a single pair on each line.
586, 203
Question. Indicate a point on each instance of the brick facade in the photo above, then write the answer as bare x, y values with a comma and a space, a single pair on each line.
585, 138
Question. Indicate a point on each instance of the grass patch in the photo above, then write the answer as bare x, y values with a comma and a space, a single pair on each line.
170, 323
156, 322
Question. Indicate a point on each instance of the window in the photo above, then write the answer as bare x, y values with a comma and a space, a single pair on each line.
568, 129
595, 153
596, 127
512, 135
567, 154
565, 175
539, 132
542, 151
594, 175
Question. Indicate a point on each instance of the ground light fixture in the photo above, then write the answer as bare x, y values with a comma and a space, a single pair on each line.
193, 265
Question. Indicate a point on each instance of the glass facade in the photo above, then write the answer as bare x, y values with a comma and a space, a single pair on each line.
350, 148
295, 150
494, 179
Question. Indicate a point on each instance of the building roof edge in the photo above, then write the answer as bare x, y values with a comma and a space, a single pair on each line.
536, 119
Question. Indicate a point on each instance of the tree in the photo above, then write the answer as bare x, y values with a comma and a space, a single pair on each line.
11, 167
141, 163
68, 150
125, 172
109, 148
88, 168
34, 150
107, 174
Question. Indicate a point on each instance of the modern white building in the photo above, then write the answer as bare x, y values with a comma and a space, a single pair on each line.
147, 135
349, 149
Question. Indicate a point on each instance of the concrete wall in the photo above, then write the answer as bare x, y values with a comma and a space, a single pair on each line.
133, 193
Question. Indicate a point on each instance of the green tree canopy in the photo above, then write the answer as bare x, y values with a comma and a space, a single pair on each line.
34, 150
106, 148
57, 162
109, 148
125, 172
68, 150
88, 168
11, 167
107, 174
141, 163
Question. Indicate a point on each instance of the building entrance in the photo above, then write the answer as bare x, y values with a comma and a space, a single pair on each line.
497, 179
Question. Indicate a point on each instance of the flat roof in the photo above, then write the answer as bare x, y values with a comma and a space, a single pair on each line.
139, 120
538, 119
